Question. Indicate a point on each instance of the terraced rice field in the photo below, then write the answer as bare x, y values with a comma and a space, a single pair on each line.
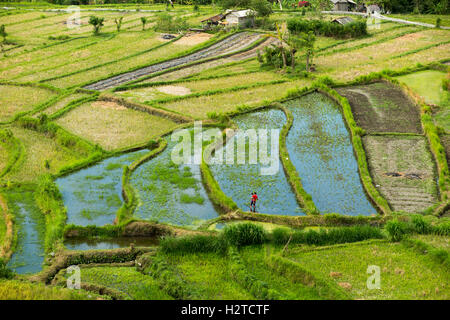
239, 181
18, 99
90, 178
171, 193
381, 107
320, 148
94, 195
29, 249
403, 170
113, 126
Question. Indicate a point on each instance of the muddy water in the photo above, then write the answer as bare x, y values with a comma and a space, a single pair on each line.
170, 193
238, 181
105, 244
320, 148
93, 195
29, 253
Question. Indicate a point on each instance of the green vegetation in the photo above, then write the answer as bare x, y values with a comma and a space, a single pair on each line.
112, 149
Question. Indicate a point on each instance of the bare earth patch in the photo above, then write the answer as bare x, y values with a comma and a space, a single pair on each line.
192, 39
174, 90
403, 171
382, 107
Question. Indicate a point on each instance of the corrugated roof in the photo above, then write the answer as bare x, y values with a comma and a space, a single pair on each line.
343, 1
343, 20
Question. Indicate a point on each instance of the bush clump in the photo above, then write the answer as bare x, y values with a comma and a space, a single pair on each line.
5, 272
397, 230
193, 244
329, 29
166, 23
243, 234
281, 236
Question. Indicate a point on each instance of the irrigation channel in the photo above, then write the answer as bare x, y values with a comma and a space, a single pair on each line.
320, 148
238, 181
230, 44
29, 251
171, 193
94, 195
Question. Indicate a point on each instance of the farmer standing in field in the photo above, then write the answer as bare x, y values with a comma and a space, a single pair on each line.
253, 202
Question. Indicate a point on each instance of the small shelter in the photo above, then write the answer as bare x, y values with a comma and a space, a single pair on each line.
343, 20
373, 8
233, 18
343, 5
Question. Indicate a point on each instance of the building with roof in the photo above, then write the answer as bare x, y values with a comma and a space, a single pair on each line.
343, 5
343, 20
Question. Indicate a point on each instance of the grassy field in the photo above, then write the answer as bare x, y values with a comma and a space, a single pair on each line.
15, 99
404, 273
199, 107
209, 275
37, 149
113, 126
21, 290
127, 280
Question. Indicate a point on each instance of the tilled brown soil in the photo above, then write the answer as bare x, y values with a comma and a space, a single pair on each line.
403, 171
382, 107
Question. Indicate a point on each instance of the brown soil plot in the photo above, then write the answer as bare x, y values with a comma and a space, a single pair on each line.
403, 171
382, 107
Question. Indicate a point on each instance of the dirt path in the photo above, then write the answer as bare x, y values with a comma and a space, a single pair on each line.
233, 43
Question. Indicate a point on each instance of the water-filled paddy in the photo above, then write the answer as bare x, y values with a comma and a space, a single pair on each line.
238, 181
30, 224
320, 148
106, 244
171, 193
93, 195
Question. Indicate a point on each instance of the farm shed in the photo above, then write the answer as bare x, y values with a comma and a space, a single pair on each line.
373, 8
242, 18
343, 20
232, 18
343, 5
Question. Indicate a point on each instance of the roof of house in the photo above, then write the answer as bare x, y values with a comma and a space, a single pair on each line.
343, 20
241, 13
215, 18
343, 1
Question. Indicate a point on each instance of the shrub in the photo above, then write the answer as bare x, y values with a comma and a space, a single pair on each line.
396, 230
5, 273
243, 234
324, 237
420, 225
193, 244
273, 56
280, 236
262, 7
328, 29
166, 23
438, 23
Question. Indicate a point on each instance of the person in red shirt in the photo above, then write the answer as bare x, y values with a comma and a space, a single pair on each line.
253, 202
